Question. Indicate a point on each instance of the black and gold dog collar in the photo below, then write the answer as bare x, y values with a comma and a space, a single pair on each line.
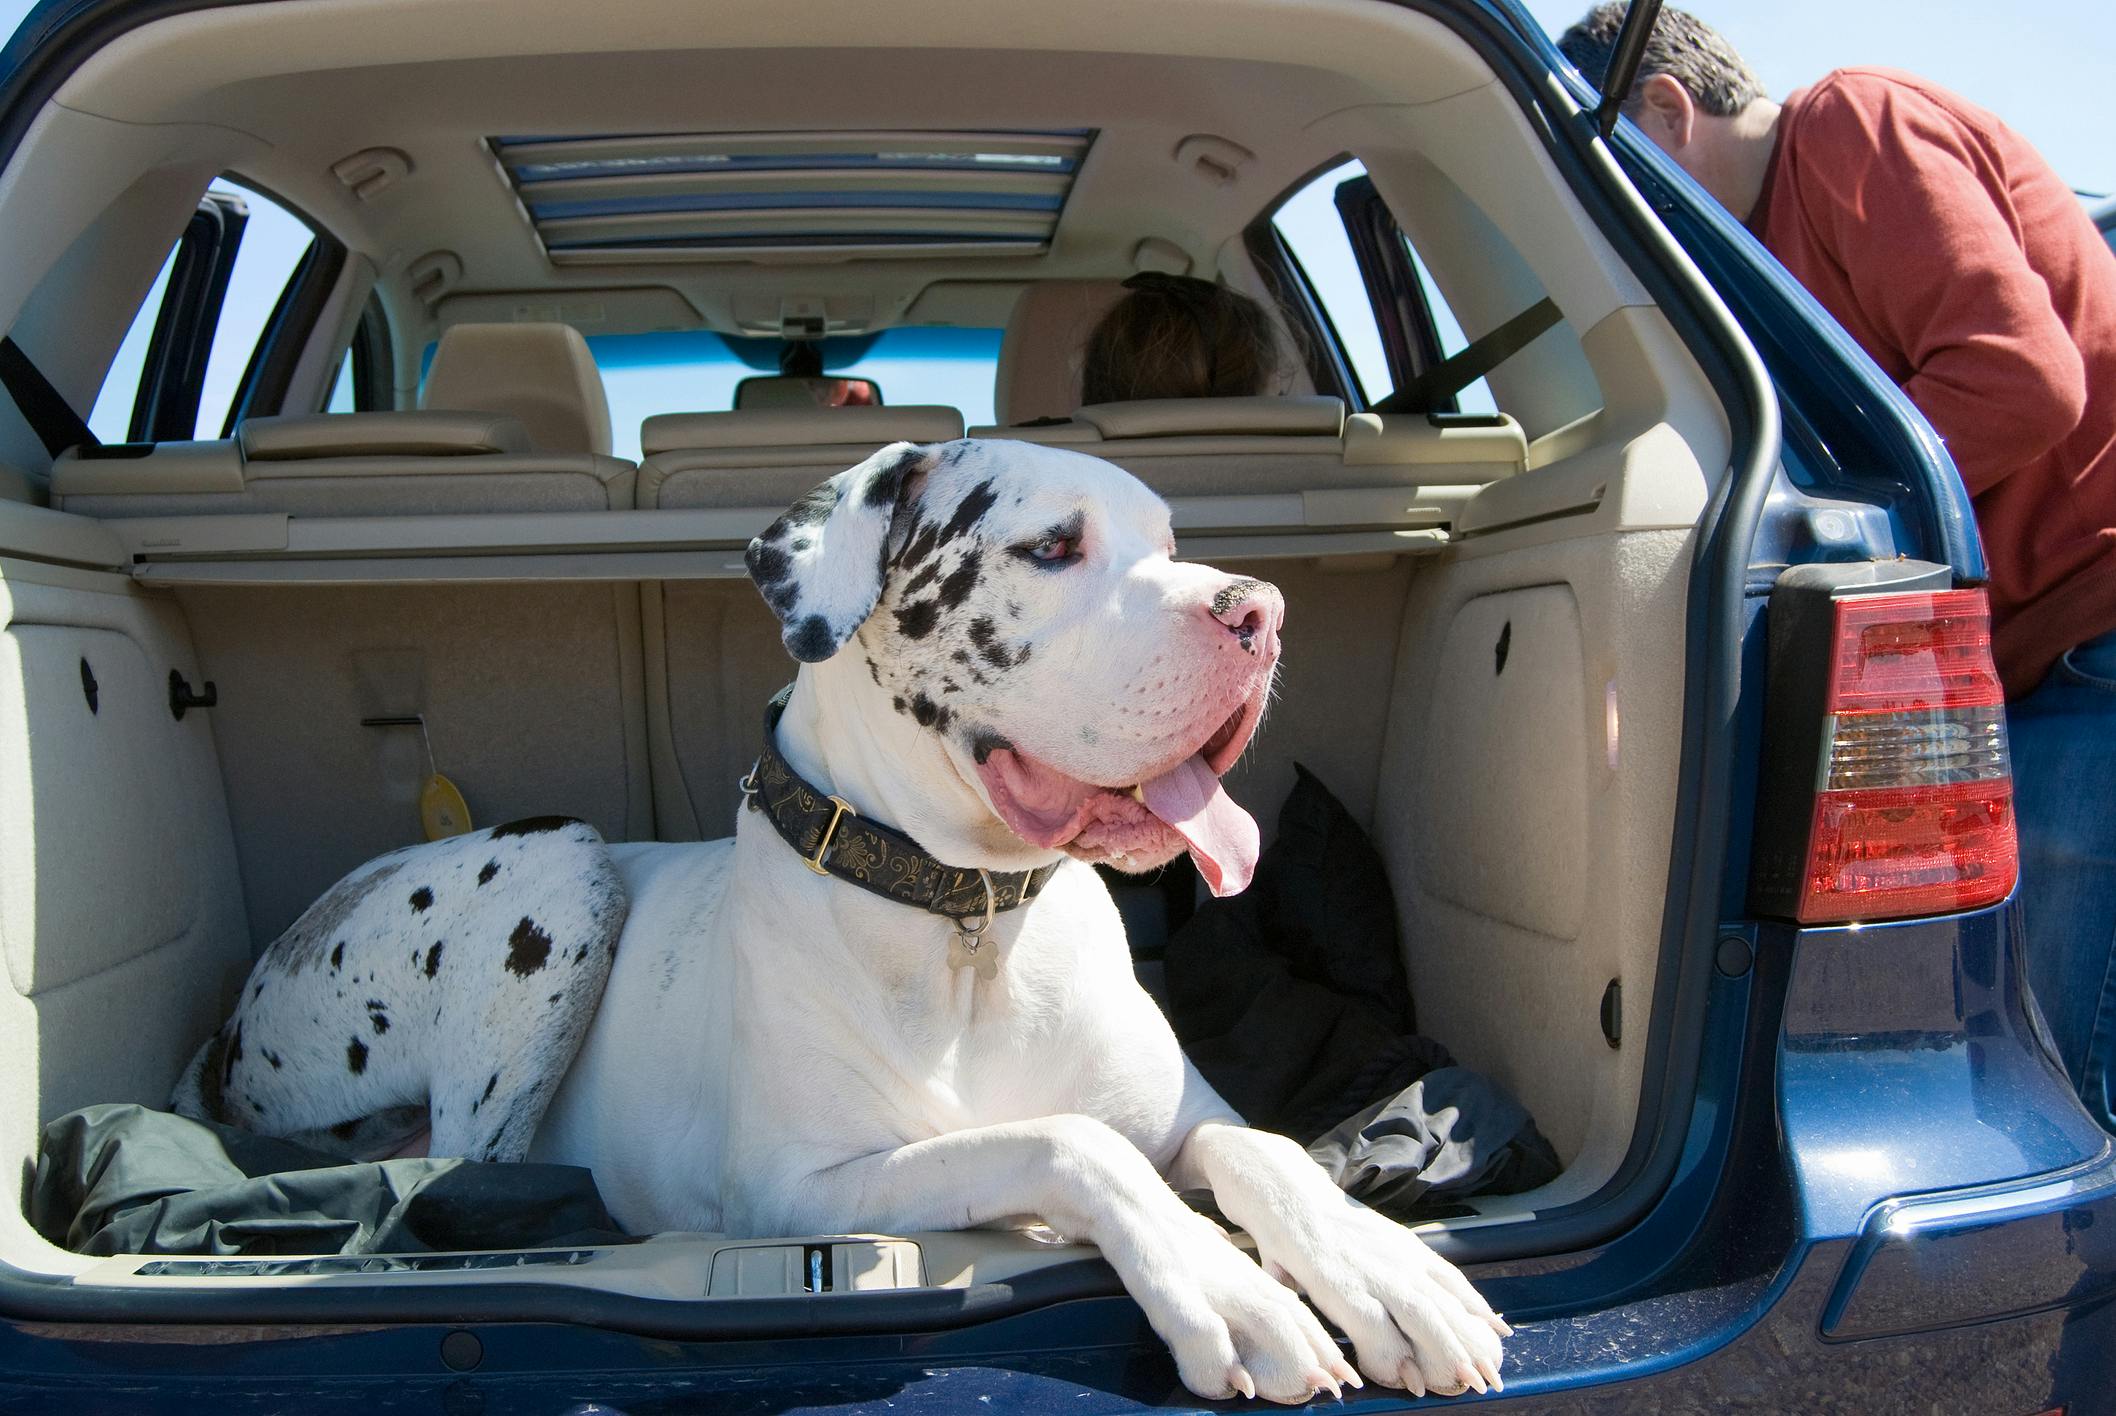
833, 839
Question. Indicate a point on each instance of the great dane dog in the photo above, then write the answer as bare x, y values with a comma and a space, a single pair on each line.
898, 999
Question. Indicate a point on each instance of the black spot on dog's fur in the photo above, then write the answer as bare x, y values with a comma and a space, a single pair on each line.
271, 1057
985, 635
377, 1014
960, 582
899, 704
433, 958
928, 713
916, 620
527, 948
768, 565
920, 581
256, 989
490, 1083
232, 1055
923, 542
346, 1130
874, 671
883, 486
812, 642
356, 1057
421, 900
337, 953
1499, 652
534, 826
984, 742
555, 997
490, 869
969, 511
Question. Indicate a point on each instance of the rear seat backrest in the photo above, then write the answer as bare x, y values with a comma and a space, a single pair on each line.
345, 464
769, 457
1192, 447
542, 374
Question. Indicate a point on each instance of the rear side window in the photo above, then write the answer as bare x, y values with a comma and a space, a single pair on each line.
183, 364
1315, 233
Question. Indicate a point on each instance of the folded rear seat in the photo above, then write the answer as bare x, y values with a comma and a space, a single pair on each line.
769, 457
1192, 447
516, 421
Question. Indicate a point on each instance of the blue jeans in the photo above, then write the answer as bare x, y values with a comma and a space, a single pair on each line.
2064, 779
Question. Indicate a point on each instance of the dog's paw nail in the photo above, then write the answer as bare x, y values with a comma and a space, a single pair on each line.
1240, 1380
1469, 1376
1348, 1374
1411, 1379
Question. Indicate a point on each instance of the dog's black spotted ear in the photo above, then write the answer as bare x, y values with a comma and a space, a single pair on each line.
821, 566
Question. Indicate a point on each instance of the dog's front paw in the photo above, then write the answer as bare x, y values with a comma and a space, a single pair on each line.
1234, 1330
1414, 1320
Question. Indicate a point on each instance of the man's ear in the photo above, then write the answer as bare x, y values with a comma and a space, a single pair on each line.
1666, 112
821, 566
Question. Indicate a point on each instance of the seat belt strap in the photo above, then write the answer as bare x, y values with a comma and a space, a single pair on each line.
1451, 375
48, 414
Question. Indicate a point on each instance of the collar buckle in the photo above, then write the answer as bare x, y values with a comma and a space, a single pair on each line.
839, 806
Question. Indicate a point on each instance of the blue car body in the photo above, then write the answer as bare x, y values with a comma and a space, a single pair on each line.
1861, 1183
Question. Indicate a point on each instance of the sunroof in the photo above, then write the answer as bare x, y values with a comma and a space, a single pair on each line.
714, 196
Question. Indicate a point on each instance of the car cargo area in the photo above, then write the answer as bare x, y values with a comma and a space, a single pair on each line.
229, 663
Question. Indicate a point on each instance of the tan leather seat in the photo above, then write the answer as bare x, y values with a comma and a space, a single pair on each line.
769, 457
1039, 355
425, 463
541, 374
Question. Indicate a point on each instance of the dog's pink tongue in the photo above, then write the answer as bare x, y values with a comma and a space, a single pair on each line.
1223, 838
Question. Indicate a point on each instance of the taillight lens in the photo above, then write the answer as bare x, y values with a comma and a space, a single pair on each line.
1913, 809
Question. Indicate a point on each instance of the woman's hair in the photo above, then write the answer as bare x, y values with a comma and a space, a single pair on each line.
1178, 337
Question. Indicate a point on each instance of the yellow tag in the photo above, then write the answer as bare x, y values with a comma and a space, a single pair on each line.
442, 810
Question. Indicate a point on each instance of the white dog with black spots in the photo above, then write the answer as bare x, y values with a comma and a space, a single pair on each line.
1002, 659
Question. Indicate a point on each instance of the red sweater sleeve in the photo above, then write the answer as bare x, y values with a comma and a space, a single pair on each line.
1917, 213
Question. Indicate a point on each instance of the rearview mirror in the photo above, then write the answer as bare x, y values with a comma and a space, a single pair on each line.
783, 391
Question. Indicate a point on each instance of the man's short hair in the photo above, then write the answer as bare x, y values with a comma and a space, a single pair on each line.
1682, 46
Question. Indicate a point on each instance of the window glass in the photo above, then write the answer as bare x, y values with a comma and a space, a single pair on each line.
1476, 397
1309, 225
273, 243
111, 418
695, 371
1313, 230
341, 399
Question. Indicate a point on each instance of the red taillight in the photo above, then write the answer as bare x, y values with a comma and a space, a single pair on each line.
1913, 798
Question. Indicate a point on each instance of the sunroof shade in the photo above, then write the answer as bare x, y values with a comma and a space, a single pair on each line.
737, 195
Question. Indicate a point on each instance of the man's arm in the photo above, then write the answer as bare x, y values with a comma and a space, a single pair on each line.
1898, 186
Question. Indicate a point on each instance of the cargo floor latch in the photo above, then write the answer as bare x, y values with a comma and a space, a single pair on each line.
182, 698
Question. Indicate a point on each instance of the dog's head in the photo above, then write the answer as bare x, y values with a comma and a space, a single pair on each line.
1022, 603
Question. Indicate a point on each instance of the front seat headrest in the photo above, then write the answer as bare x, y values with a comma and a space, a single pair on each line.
542, 374
1040, 354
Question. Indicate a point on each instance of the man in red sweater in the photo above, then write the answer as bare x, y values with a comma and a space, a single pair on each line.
1955, 256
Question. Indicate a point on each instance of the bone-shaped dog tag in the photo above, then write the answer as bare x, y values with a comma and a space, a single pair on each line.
967, 951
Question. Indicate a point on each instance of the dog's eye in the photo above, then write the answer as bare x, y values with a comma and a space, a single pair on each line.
1051, 551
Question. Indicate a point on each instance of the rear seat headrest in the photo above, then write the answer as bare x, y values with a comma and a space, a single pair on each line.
542, 374
1310, 415
434, 433
786, 427
1040, 353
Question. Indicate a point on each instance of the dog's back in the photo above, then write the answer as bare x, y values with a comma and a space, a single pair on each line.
457, 977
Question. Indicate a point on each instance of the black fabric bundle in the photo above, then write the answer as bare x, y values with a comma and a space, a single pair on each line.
125, 1179
1291, 999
